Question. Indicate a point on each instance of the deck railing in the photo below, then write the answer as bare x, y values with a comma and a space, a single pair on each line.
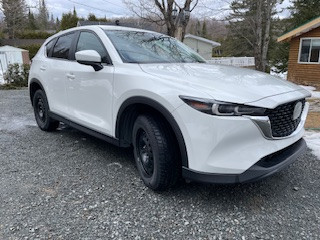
233, 61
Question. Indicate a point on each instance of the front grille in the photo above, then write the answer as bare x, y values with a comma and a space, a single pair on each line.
282, 124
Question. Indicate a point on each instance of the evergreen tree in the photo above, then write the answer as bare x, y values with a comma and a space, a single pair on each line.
43, 15
198, 28
251, 21
69, 20
204, 30
15, 15
31, 21
57, 24
92, 17
304, 11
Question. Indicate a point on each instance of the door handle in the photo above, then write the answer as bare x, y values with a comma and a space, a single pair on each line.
43, 68
71, 76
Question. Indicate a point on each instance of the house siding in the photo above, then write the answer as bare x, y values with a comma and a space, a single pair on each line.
204, 49
306, 74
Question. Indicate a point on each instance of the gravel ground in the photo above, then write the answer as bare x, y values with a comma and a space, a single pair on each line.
68, 185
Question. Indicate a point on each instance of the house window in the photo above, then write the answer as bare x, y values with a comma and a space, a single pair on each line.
310, 50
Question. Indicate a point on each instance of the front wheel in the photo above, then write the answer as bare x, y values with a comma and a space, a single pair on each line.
41, 112
154, 152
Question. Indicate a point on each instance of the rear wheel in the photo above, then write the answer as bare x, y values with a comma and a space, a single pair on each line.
154, 152
41, 112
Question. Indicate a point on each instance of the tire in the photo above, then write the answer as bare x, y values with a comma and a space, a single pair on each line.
41, 112
154, 152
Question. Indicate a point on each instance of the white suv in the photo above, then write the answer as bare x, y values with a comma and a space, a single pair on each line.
131, 87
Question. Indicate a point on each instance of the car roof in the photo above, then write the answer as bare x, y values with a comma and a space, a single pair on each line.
103, 27
96, 27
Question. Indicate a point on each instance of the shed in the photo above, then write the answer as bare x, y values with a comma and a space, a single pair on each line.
201, 45
304, 55
10, 55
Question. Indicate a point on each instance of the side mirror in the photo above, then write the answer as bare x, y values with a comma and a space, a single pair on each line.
89, 57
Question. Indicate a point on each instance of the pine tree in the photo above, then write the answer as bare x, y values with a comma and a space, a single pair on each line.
31, 21
204, 30
43, 15
251, 21
198, 28
304, 11
92, 17
15, 14
69, 20
57, 24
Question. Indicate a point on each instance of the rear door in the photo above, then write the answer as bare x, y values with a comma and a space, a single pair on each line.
55, 69
90, 91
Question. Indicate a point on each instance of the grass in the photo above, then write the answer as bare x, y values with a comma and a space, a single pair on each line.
10, 87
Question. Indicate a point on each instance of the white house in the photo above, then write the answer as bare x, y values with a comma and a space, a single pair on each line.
10, 55
201, 45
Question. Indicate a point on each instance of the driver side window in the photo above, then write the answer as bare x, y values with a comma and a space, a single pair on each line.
89, 41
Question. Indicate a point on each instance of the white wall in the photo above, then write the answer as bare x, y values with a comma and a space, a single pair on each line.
204, 49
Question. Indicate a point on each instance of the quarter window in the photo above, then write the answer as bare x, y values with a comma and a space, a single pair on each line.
89, 41
310, 50
62, 47
49, 46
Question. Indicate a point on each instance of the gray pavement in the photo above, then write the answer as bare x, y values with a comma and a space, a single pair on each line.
68, 185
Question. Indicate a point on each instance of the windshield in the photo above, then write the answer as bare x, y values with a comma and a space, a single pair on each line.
149, 47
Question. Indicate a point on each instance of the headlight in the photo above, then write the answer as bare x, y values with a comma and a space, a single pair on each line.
222, 108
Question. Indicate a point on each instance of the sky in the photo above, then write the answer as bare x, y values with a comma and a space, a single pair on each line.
116, 8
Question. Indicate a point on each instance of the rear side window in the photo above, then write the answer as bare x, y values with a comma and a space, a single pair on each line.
89, 41
62, 47
49, 46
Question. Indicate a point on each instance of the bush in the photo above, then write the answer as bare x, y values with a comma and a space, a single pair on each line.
17, 75
33, 35
33, 49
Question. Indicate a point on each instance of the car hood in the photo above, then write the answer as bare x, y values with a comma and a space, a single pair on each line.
223, 83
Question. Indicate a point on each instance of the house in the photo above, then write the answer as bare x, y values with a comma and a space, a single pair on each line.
10, 55
304, 55
201, 45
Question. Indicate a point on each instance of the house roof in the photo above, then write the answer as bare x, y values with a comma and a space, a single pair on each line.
201, 39
307, 27
8, 48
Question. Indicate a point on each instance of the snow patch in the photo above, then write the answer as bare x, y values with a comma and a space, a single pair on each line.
312, 90
313, 141
273, 72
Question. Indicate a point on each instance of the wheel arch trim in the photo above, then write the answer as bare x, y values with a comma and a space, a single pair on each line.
165, 113
35, 80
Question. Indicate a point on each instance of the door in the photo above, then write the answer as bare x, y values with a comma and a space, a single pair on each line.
54, 70
90, 91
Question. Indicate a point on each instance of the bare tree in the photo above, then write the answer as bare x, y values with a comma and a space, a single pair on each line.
15, 12
174, 15
252, 20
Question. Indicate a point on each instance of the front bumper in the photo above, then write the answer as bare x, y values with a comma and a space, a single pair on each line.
227, 145
265, 167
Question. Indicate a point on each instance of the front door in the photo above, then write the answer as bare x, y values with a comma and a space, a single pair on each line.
90, 91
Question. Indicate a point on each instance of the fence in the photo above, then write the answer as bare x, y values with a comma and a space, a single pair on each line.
234, 61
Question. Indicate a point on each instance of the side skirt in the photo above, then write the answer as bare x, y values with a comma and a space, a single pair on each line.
89, 131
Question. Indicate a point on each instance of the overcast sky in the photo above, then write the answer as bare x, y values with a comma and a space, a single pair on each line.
116, 8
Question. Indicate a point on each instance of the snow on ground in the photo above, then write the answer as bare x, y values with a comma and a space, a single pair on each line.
313, 141
273, 72
312, 90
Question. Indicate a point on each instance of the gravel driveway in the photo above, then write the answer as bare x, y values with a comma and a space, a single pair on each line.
68, 185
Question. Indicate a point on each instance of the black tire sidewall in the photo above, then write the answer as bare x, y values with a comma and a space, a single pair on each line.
42, 125
154, 180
